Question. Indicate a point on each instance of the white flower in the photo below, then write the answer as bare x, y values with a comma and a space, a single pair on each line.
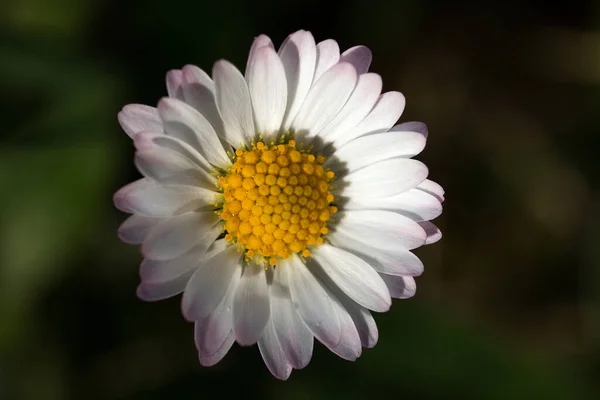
283, 203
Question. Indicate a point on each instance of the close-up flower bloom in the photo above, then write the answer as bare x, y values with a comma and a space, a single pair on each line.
283, 203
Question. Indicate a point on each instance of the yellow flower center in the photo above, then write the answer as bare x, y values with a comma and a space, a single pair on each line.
276, 200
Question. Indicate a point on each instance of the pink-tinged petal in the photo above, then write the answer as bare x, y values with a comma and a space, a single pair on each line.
184, 122
259, 42
360, 103
328, 54
234, 103
294, 337
193, 74
400, 287
433, 189
382, 117
367, 150
208, 285
273, 354
268, 89
155, 291
299, 55
174, 82
314, 305
414, 203
412, 126
380, 229
148, 198
359, 56
213, 331
135, 118
251, 305
174, 236
325, 99
210, 360
385, 178
135, 228
357, 279
433, 232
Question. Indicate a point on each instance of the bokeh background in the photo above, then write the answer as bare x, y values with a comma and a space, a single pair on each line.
509, 305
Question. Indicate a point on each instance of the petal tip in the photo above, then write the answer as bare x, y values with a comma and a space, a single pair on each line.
142, 294
120, 199
166, 103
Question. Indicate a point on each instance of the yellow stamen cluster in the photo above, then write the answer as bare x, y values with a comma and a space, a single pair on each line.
276, 200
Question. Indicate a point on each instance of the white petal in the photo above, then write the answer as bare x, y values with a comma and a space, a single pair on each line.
174, 236
312, 302
328, 54
268, 89
209, 361
159, 271
199, 92
401, 287
193, 74
153, 200
433, 189
370, 149
414, 203
396, 261
159, 163
382, 117
433, 232
208, 285
213, 331
135, 228
273, 354
360, 57
168, 166
233, 102
349, 347
298, 55
185, 123
354, 277
135, 118
360, 103
154, 271
174, 82
158, 142
155, 291
325, 99
294, 337
364, 323
380, 229
385, 178
412, 126
259, 42
251, 307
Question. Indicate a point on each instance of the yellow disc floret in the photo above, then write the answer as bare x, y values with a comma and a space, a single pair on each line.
276, 200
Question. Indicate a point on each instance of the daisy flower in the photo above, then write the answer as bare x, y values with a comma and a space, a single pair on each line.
283, 203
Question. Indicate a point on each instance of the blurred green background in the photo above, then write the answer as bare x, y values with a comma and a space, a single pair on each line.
509, 305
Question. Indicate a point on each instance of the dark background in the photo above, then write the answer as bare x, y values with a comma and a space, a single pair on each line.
509, 305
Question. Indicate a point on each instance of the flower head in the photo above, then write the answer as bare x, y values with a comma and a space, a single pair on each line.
283, 204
